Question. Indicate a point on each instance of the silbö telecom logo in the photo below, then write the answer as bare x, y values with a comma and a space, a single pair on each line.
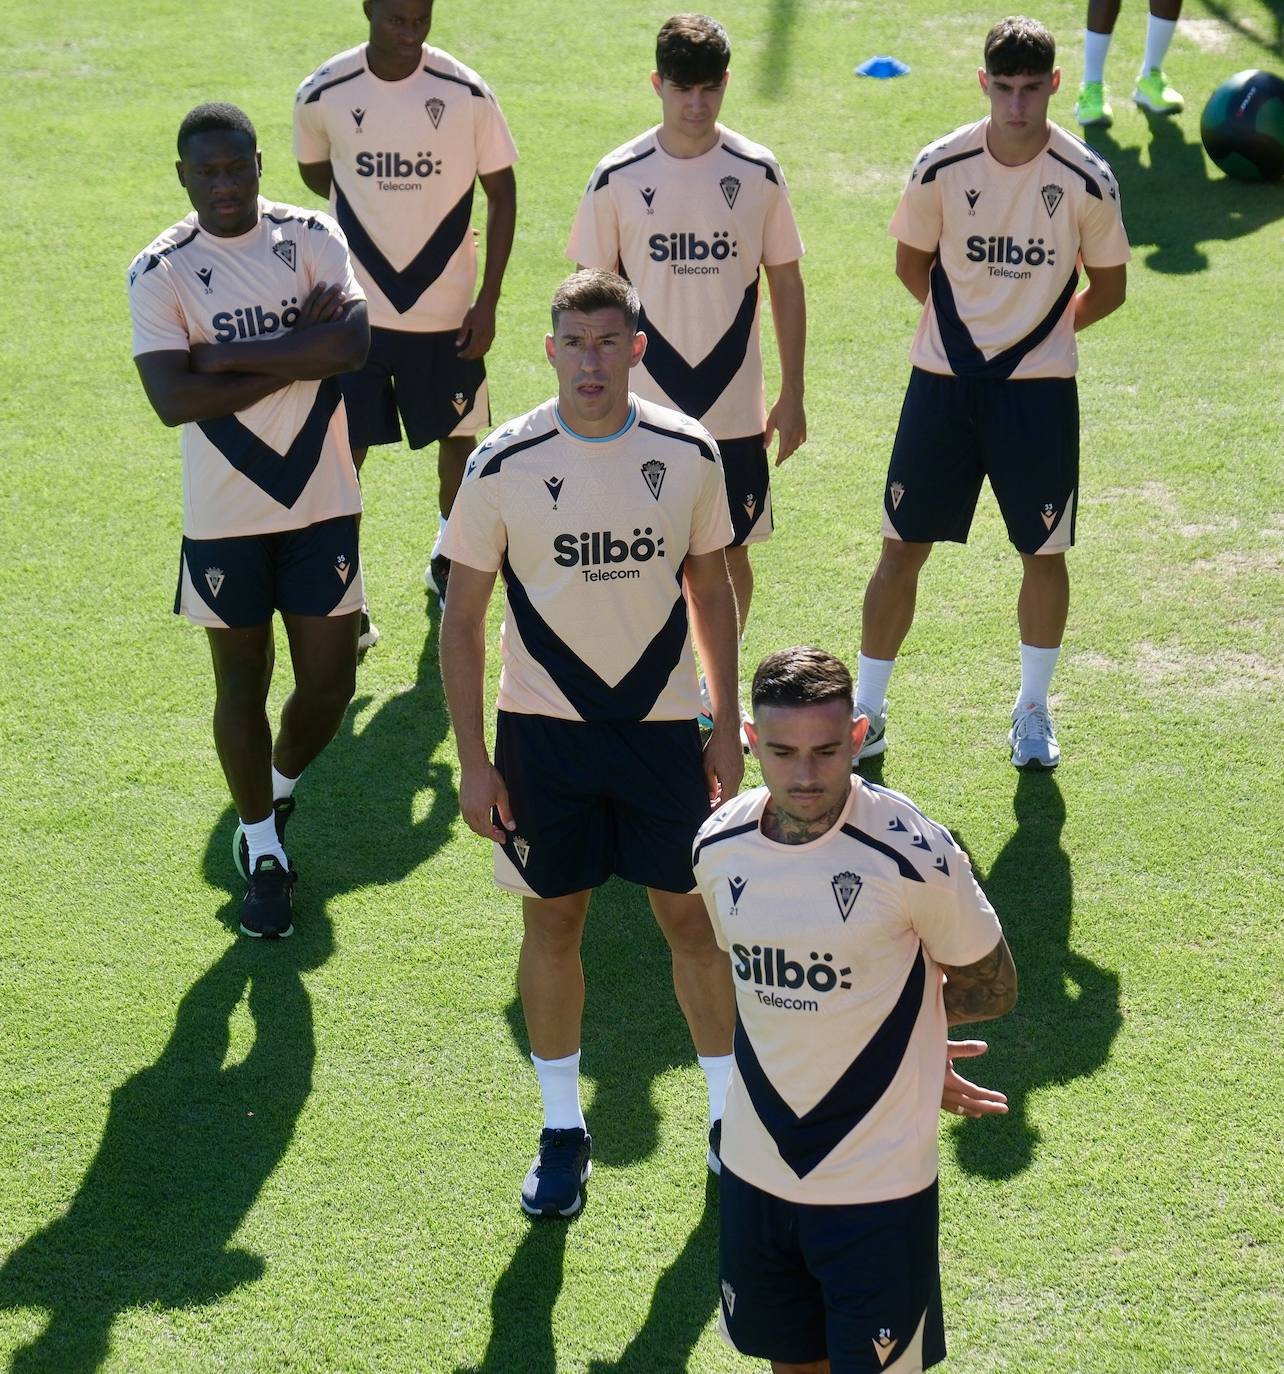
772, 973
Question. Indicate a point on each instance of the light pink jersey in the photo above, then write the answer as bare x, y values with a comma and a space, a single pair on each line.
1010, 242
404, 157
283, 462
835, 950
590, 536
691, 234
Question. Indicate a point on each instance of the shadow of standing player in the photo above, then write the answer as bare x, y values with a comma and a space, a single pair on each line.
633, 1033
190, 1141
1175, 205
1067, 1015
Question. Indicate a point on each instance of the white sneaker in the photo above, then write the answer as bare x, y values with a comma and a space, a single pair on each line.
705, 717
1032, 738
876, 736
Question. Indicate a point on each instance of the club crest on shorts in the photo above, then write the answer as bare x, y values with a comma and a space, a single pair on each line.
214, 576
653, 471
730, 190
436, 108
1051, 198
750, 504
284, 249
522, 848
847, 888
1049, 514
884, 1344
896, 491
729, 1298
737, 886
343, 568
554, 485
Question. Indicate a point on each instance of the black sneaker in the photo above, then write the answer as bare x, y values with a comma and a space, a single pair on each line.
267, 907
368, 633
552, 1188
436, 575
715, 1147
282, 810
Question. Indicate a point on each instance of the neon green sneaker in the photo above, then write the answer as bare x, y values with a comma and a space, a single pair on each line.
1153, 93
1092, 109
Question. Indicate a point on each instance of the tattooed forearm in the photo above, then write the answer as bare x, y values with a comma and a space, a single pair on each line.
785, 829
981, 991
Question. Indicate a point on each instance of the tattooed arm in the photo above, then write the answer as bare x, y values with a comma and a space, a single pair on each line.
983, 990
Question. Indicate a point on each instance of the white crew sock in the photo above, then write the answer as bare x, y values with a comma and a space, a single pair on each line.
261, 838
1095, 48
872, 677
559, 1086
282, 787
717, 1074
1159, 33
441, 534
1036, 674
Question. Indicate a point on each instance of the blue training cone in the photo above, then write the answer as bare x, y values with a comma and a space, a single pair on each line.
882, 67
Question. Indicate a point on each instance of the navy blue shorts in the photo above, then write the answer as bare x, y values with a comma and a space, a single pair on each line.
956, 431
233, 584
858, 1285
596, 798
748, 477
421, 377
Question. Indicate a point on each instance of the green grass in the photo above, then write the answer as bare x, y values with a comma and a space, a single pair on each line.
305, 1157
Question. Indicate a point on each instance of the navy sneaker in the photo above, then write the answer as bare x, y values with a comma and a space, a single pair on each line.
552, 1187
282, 810
367, 633
436, 576
715, 1147
268, 905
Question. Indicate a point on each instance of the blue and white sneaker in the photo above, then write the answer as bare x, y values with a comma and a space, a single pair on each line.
1032, 739
267, 909
715, 1147
552, 1186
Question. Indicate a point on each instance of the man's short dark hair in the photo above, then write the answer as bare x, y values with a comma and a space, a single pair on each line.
213, 117
1018, 46
801, 676
692, 50
589, 290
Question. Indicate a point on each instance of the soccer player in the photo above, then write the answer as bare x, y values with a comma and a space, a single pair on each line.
244, 313
693, 214
608, 518
856, 934
992, 228
396, 133
1153, 92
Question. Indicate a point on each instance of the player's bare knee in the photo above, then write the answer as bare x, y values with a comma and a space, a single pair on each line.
901, 558
816, 1367
552, 928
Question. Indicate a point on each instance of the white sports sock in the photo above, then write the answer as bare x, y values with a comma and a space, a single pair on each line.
717, 1074
261, 838
1036, 674
559, 1086
1095, 48
282, 787
872, 677
441, 534
1159, 33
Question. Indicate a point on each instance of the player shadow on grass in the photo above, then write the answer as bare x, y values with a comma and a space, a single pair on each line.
1067, 1015
1176, 205
777, 55
1234, 18
191, 1140
633, 1033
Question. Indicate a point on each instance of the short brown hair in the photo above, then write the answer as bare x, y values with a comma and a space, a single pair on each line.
590, 289
692, 50
801, 676
1018, 46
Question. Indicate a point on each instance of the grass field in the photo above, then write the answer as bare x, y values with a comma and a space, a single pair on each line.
216, 1156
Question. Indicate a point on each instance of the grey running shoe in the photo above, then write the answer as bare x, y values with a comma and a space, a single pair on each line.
876, 737
552, 1187
1032, 738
